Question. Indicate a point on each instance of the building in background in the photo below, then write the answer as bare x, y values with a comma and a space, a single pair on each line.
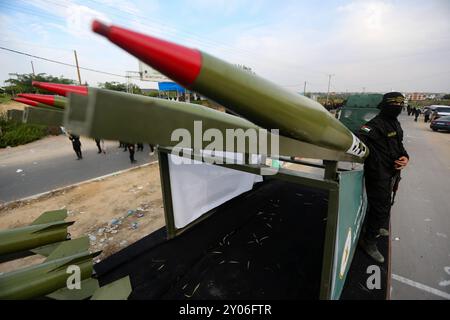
415, 96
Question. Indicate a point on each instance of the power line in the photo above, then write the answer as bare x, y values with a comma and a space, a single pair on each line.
64, 63
200, 40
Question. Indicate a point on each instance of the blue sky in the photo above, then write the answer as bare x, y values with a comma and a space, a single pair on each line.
371, 45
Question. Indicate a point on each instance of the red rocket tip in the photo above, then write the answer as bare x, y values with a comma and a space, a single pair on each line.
179, 63
61, 89
43, 98
100, 28
27, 101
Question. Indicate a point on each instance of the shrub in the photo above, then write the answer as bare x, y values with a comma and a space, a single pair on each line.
14, 133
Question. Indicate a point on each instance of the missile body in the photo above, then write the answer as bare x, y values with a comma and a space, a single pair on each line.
121, 116
36, 104
60, 89
42, 279
49, 228
106, 113
51, 275
29, 237
51, 100
258, 100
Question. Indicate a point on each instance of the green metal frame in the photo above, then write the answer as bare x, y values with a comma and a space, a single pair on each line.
329, 246
329, 182
163, 159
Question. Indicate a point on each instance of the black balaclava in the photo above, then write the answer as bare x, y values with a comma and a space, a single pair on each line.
389, 105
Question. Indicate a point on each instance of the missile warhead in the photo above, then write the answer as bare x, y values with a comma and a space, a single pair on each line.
51, 275
51, 100
61, 89
175, 61
35, 103
48, 228
258, 100
27, 101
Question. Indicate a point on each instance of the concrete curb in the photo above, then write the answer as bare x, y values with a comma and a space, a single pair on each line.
40, 195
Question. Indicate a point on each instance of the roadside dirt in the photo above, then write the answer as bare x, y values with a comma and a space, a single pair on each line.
11, 105
114, 212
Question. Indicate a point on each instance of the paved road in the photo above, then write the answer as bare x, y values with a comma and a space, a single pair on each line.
51, 163
421, 217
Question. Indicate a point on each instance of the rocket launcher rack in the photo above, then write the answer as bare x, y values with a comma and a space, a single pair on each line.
41, 116
121, 116
306, 130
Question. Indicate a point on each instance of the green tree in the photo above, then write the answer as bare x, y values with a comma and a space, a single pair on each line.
446, 97
117, 86
22, 83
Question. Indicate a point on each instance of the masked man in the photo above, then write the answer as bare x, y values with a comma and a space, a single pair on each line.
384, 137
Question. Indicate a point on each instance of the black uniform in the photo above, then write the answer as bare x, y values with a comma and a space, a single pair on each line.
417, 112
131, 150
76, 144
383, 135
97, 142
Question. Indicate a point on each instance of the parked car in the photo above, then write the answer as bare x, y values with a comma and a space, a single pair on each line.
442, 123
440, 111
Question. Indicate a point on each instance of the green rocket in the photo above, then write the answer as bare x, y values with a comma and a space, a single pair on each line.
246, 94
37, 104
41, 113
51, 275
48, 228
51, 100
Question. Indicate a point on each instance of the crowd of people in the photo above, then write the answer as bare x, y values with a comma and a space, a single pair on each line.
130, 147
416, 112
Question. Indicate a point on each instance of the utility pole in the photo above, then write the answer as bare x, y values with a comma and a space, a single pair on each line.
32, 68
78, 68
304, 90
129, 75
34, 74
329, 83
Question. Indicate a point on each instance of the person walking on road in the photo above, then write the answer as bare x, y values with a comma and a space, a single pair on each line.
408, 109
384, 137
131, 150
416, 114
76, 144
98, 142
152, 149
427, 115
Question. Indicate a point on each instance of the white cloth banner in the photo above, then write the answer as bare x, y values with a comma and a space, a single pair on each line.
199, 187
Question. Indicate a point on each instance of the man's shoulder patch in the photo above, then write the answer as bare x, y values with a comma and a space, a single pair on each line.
366, 128
392, 134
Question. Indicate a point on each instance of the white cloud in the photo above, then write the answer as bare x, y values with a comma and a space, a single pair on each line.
226, 7
79, 20
125, 6
372, 44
